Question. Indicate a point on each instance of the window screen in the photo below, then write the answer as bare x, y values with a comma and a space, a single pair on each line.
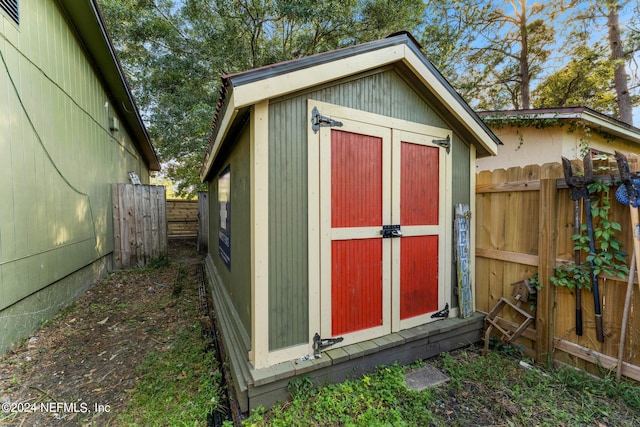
11, 8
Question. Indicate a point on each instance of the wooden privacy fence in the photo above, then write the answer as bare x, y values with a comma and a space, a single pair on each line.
182, 219
524, 223
139, 224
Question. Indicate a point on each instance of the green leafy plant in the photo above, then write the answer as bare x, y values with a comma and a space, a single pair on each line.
533, 297
483, 389
512, 350
159, 262
300, 386
608, 258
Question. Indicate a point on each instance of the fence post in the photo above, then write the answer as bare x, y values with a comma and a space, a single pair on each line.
547, 249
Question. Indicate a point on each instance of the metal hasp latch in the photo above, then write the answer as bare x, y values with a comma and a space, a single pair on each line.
319, 343
444, 143
318, 120
389, 231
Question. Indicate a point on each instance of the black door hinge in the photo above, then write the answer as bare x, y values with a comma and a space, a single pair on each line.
318, 121
444, 143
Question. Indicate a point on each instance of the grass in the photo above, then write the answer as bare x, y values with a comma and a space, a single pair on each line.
179, 385
483, 390
176, 386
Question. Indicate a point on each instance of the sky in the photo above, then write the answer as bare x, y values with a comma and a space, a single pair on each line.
558, 59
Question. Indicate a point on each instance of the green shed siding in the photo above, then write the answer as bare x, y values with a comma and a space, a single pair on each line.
237, 281
58, 161
385, 93
460, 193
288, 267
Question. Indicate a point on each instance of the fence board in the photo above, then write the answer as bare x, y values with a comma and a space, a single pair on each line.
153, 212
162, 223
130, 254
547, 248
117, 229
139, 224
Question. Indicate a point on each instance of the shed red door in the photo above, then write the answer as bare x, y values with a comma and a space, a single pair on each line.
356, 167
417, 200
371, 176
356, 207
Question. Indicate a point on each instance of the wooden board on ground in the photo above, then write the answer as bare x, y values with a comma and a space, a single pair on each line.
461, 232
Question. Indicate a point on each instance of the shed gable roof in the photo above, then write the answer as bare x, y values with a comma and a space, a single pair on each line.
84, 16
241, 90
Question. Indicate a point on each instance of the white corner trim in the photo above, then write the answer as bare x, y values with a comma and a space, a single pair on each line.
259, 159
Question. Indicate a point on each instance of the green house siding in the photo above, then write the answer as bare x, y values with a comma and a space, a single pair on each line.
237, 280
385, 93
58, 161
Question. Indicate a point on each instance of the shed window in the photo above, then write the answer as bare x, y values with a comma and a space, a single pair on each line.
11, 8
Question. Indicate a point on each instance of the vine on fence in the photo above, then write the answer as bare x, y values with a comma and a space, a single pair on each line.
609, 258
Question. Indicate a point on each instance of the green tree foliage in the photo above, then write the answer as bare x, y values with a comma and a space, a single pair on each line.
175, 52
493, 53
511, 54
623, 44
449, 33
587, 80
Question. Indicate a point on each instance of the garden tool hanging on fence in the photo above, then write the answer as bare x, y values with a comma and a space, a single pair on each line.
588, 179
578, 192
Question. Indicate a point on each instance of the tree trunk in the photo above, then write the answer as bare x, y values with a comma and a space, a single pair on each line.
525, 81
620, 73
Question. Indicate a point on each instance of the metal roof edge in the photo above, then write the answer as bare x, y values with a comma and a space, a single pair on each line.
88, 24
606, 123
267, 71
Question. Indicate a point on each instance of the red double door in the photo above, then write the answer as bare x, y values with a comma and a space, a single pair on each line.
386, 229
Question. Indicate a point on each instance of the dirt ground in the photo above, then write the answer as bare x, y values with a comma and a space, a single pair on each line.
80, 368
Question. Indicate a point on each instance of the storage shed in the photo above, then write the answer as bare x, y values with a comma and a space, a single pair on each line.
311, 164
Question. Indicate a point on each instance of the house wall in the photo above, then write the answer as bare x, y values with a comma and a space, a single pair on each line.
525, 146
385, 93
58, 160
